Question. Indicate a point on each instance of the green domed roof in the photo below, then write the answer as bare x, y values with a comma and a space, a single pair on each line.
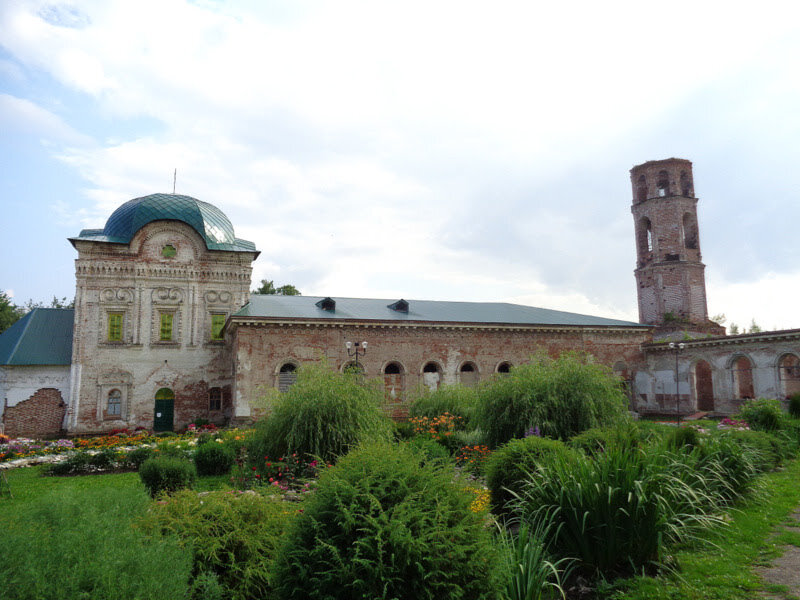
206, 219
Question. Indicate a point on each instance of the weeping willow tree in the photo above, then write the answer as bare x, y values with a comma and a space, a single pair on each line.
555, 398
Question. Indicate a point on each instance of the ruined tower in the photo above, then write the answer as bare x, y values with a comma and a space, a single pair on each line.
670, 277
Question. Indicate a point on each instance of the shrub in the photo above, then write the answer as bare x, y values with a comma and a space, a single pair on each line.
509, 466
562, 397
618, 510
166, 475
233, 537
683, 438
383, 523
81, 544
104, 459
763, 414
794, 405
431, 449
137, 456
457, 400
728, 468
213, 459
770, 450
597, 439
77, 462
323, 414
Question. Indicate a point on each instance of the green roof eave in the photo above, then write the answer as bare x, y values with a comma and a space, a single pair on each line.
41, 337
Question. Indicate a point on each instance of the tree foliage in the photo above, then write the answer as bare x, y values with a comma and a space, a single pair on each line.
10, 313
562, 397
268, 287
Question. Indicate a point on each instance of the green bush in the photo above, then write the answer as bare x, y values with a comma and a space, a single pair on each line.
683, 438
77, 462
618, 510
510, 466
431, 449
626, 435
323, 414
104, 459
764, 414
458, 400
213, 459
137, 456
403, 430
166, 475
384, 523
82, 544
770, 449
562, 397
233, 538
794, 405
728, 468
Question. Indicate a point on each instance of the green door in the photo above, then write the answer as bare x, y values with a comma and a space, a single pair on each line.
164, 410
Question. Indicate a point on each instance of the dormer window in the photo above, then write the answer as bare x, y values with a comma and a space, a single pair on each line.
328, 304
399, 306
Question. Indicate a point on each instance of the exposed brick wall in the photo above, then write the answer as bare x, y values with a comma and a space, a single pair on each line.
41, 415
260, 350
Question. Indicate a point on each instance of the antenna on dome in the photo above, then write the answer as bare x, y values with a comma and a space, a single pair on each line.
174, 179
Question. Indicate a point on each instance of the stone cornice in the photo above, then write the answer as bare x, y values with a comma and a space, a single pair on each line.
728, 340
355, 323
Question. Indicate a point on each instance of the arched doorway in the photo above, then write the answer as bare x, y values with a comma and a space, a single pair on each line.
468, 374
393, 382
431, 375
703, 386
742, 372
789, 374
164, 411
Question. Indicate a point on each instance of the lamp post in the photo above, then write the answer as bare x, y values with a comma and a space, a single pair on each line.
356, 349
677, 348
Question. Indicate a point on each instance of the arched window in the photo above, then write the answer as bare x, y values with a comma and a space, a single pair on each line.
641, 189
286, 376
504, 368
663, 184
468, 374
703, 386
742, 373
393, 381
215, 398
689, 231
645, 236
431, 375
114, 405
789, 374
686, 185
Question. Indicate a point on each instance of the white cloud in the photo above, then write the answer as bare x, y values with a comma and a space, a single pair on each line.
18, 115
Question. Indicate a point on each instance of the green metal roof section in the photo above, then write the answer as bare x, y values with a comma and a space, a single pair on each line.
41, 337
367, 309
206, 219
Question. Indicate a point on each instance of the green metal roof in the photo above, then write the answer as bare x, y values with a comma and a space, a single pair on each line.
41, 337
359, 309
206, 219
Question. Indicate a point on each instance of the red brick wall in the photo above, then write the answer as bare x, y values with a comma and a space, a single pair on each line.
259, 351
41, 415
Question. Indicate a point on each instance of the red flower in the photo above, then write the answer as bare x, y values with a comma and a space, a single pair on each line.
254, 468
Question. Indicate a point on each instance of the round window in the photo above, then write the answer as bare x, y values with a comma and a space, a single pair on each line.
168, 251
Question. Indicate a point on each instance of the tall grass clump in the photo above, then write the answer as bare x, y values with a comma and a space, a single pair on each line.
531, 573
794, 406
233, 538
83, 544
511, 465
764, 414
627, 434
323, 414
457, 400
385, 523
166, 475
617, 511
561, 397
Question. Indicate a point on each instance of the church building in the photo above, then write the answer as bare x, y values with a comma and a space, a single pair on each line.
165, 330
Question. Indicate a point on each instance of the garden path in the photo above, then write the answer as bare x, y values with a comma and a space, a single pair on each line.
785, 569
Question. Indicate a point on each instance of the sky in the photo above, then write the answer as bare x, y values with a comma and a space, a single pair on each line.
439, 150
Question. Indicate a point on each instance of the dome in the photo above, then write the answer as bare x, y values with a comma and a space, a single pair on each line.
206, 219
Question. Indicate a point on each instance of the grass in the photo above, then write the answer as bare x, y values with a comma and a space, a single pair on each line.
725, 570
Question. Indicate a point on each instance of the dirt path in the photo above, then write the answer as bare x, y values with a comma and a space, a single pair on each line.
785, 570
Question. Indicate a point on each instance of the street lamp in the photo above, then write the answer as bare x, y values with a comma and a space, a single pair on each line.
356, 349
677, 348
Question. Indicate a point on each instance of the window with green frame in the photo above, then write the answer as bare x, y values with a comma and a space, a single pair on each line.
115, 327
217, 323
165, 330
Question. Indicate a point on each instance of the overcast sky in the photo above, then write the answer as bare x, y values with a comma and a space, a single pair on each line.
424, 150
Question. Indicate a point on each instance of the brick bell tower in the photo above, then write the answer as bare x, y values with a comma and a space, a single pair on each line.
670, 277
